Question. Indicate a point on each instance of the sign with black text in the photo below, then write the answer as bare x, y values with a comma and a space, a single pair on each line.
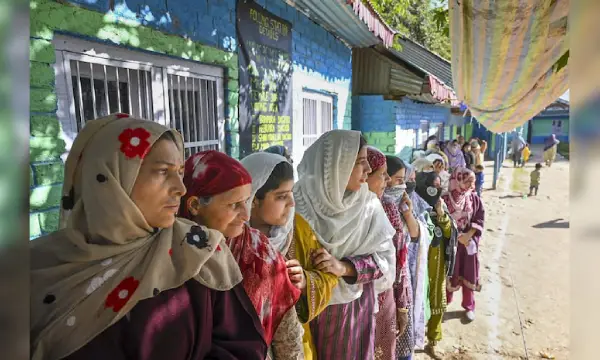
265, 60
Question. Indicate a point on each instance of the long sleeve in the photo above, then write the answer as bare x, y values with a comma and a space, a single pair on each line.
445, 224
478, 218
319, 285
287, 340
402, 291
366, 268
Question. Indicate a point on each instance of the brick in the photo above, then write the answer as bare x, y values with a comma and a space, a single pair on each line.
41, 51
49, 220
35, 229
42, 100
45, 197
49, 173
44, 125
41, 75
45, 148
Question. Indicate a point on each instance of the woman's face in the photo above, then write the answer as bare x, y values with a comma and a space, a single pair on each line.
437, 183
438, 166
397, 178
469, 183
275, 208
412, 177
225, 212
378, 180
467, 148
159, 186
360, 172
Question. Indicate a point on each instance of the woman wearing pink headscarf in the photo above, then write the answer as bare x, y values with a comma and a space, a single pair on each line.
466, 208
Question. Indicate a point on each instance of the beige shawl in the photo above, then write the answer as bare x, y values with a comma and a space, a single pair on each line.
88, 275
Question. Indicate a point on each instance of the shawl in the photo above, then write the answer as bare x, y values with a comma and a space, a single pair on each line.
345, 223
420, 206
458, 198
455, 157
106, 258
550, 142
518, 143
265, 278
260, 166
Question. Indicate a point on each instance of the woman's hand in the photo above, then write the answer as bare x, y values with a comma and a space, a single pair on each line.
464, 239
296, 274
323, 261
401, 321
439, 207
406, 210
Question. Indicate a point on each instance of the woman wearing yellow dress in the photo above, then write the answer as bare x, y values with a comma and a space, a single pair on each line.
272, 212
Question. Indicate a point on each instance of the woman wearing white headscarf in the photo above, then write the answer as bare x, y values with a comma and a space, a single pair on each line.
350, 223
272, 212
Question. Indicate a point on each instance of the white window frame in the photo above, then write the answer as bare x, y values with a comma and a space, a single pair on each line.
69, 48
320, 99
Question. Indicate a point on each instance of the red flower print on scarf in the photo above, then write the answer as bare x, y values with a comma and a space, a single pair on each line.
134, 142
121, 294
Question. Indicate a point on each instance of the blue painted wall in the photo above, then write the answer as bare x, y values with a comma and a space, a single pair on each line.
410, 114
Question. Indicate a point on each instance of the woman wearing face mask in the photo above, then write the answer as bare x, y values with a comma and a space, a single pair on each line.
466, 208
272, 213
468, 155
441, 254
218, 191
124, 278
414, 232
348, 221
386, 326
455, 156
417, 258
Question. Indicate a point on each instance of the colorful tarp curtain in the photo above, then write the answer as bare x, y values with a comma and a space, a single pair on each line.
503, 57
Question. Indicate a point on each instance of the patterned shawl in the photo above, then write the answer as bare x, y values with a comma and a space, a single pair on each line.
106, 258
345, 223
458, 198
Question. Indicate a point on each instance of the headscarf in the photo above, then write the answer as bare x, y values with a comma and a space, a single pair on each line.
263, 268
425, 188
550, 142
260, 165
518, 143
107, 258
458, 198
419, 205
279, 150
209, 173
455, 156
375, 158
345, 223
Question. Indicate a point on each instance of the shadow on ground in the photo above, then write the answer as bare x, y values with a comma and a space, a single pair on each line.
553, 224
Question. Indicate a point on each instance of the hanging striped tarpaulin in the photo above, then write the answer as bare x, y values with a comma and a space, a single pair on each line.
505, 55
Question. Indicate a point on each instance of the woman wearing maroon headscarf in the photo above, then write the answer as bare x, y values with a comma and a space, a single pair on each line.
466, 208
218, 188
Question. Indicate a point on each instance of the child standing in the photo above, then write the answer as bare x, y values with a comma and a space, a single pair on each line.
526, 154
479, 178
535, 179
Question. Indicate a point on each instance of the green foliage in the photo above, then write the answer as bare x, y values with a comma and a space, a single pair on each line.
423, 21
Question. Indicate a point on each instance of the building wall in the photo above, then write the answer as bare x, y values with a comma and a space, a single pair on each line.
200, 30
392, 125
322, 64
542, 128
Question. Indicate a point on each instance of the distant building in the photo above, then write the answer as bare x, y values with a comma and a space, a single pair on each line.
552, 120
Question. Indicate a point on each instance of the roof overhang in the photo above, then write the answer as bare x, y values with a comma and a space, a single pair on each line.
353, 21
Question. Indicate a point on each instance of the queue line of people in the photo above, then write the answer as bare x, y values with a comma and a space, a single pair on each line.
215, 258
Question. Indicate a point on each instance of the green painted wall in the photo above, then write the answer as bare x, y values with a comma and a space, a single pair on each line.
384, 141
46, 146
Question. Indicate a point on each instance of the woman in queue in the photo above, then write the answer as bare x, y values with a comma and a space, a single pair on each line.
124, 278
218, 191
466, 208
350, 223
272, 212
442, 252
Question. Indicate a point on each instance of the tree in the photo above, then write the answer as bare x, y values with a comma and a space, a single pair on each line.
425, 22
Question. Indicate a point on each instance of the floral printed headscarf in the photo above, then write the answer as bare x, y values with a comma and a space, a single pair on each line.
88, 275
458, 198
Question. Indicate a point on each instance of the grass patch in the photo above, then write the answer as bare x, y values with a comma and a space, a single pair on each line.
563, 149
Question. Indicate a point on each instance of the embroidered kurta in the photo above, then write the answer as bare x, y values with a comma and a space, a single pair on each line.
347, 331
191, 322
319, 285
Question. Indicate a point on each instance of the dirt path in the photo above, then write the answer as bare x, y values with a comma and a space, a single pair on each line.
523, 309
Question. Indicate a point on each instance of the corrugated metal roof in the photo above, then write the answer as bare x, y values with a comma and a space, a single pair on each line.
338, 18
420, 57
374, 73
